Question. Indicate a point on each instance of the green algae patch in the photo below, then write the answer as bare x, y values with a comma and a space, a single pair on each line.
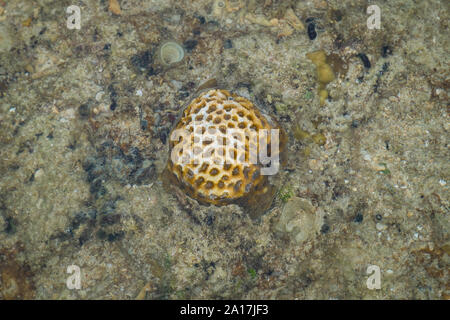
285, 193
305, 136
385, 171
319, 139
252, 273
301, 134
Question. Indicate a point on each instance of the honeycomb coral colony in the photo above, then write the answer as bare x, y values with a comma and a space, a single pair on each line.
223, 146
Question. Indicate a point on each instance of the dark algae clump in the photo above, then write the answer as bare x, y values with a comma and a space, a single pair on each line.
365, 60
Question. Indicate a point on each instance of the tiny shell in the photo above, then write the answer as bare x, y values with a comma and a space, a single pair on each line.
170, 53
293, 20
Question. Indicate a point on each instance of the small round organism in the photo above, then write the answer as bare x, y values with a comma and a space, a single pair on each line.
170, 53
312, 34
223, 150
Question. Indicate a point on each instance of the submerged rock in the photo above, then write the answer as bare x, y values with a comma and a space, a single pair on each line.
299, 220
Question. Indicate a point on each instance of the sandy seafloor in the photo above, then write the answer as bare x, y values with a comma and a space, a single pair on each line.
85, 117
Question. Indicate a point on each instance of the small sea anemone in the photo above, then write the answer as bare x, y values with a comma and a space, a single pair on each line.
170, 53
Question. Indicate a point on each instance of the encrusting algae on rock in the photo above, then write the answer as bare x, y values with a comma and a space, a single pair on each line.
325, 73
222, 151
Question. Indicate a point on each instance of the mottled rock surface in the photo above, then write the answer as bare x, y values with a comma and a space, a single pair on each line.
85, 117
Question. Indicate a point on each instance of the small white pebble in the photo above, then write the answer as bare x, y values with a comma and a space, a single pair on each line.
175, 18
367, 156
38, 173
99, 95
381, 227
68, 113
442, 182
139, 93
416, 236
389, 271
177, 84
12, 109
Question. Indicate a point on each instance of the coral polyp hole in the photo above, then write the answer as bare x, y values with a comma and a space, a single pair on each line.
238, 185
199, 181
212, 130
223, 129
207, 142
237, 136
246, 172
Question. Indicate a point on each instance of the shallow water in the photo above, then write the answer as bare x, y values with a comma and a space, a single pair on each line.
361, 209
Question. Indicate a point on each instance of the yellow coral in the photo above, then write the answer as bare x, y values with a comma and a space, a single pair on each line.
325, 73
220, 169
